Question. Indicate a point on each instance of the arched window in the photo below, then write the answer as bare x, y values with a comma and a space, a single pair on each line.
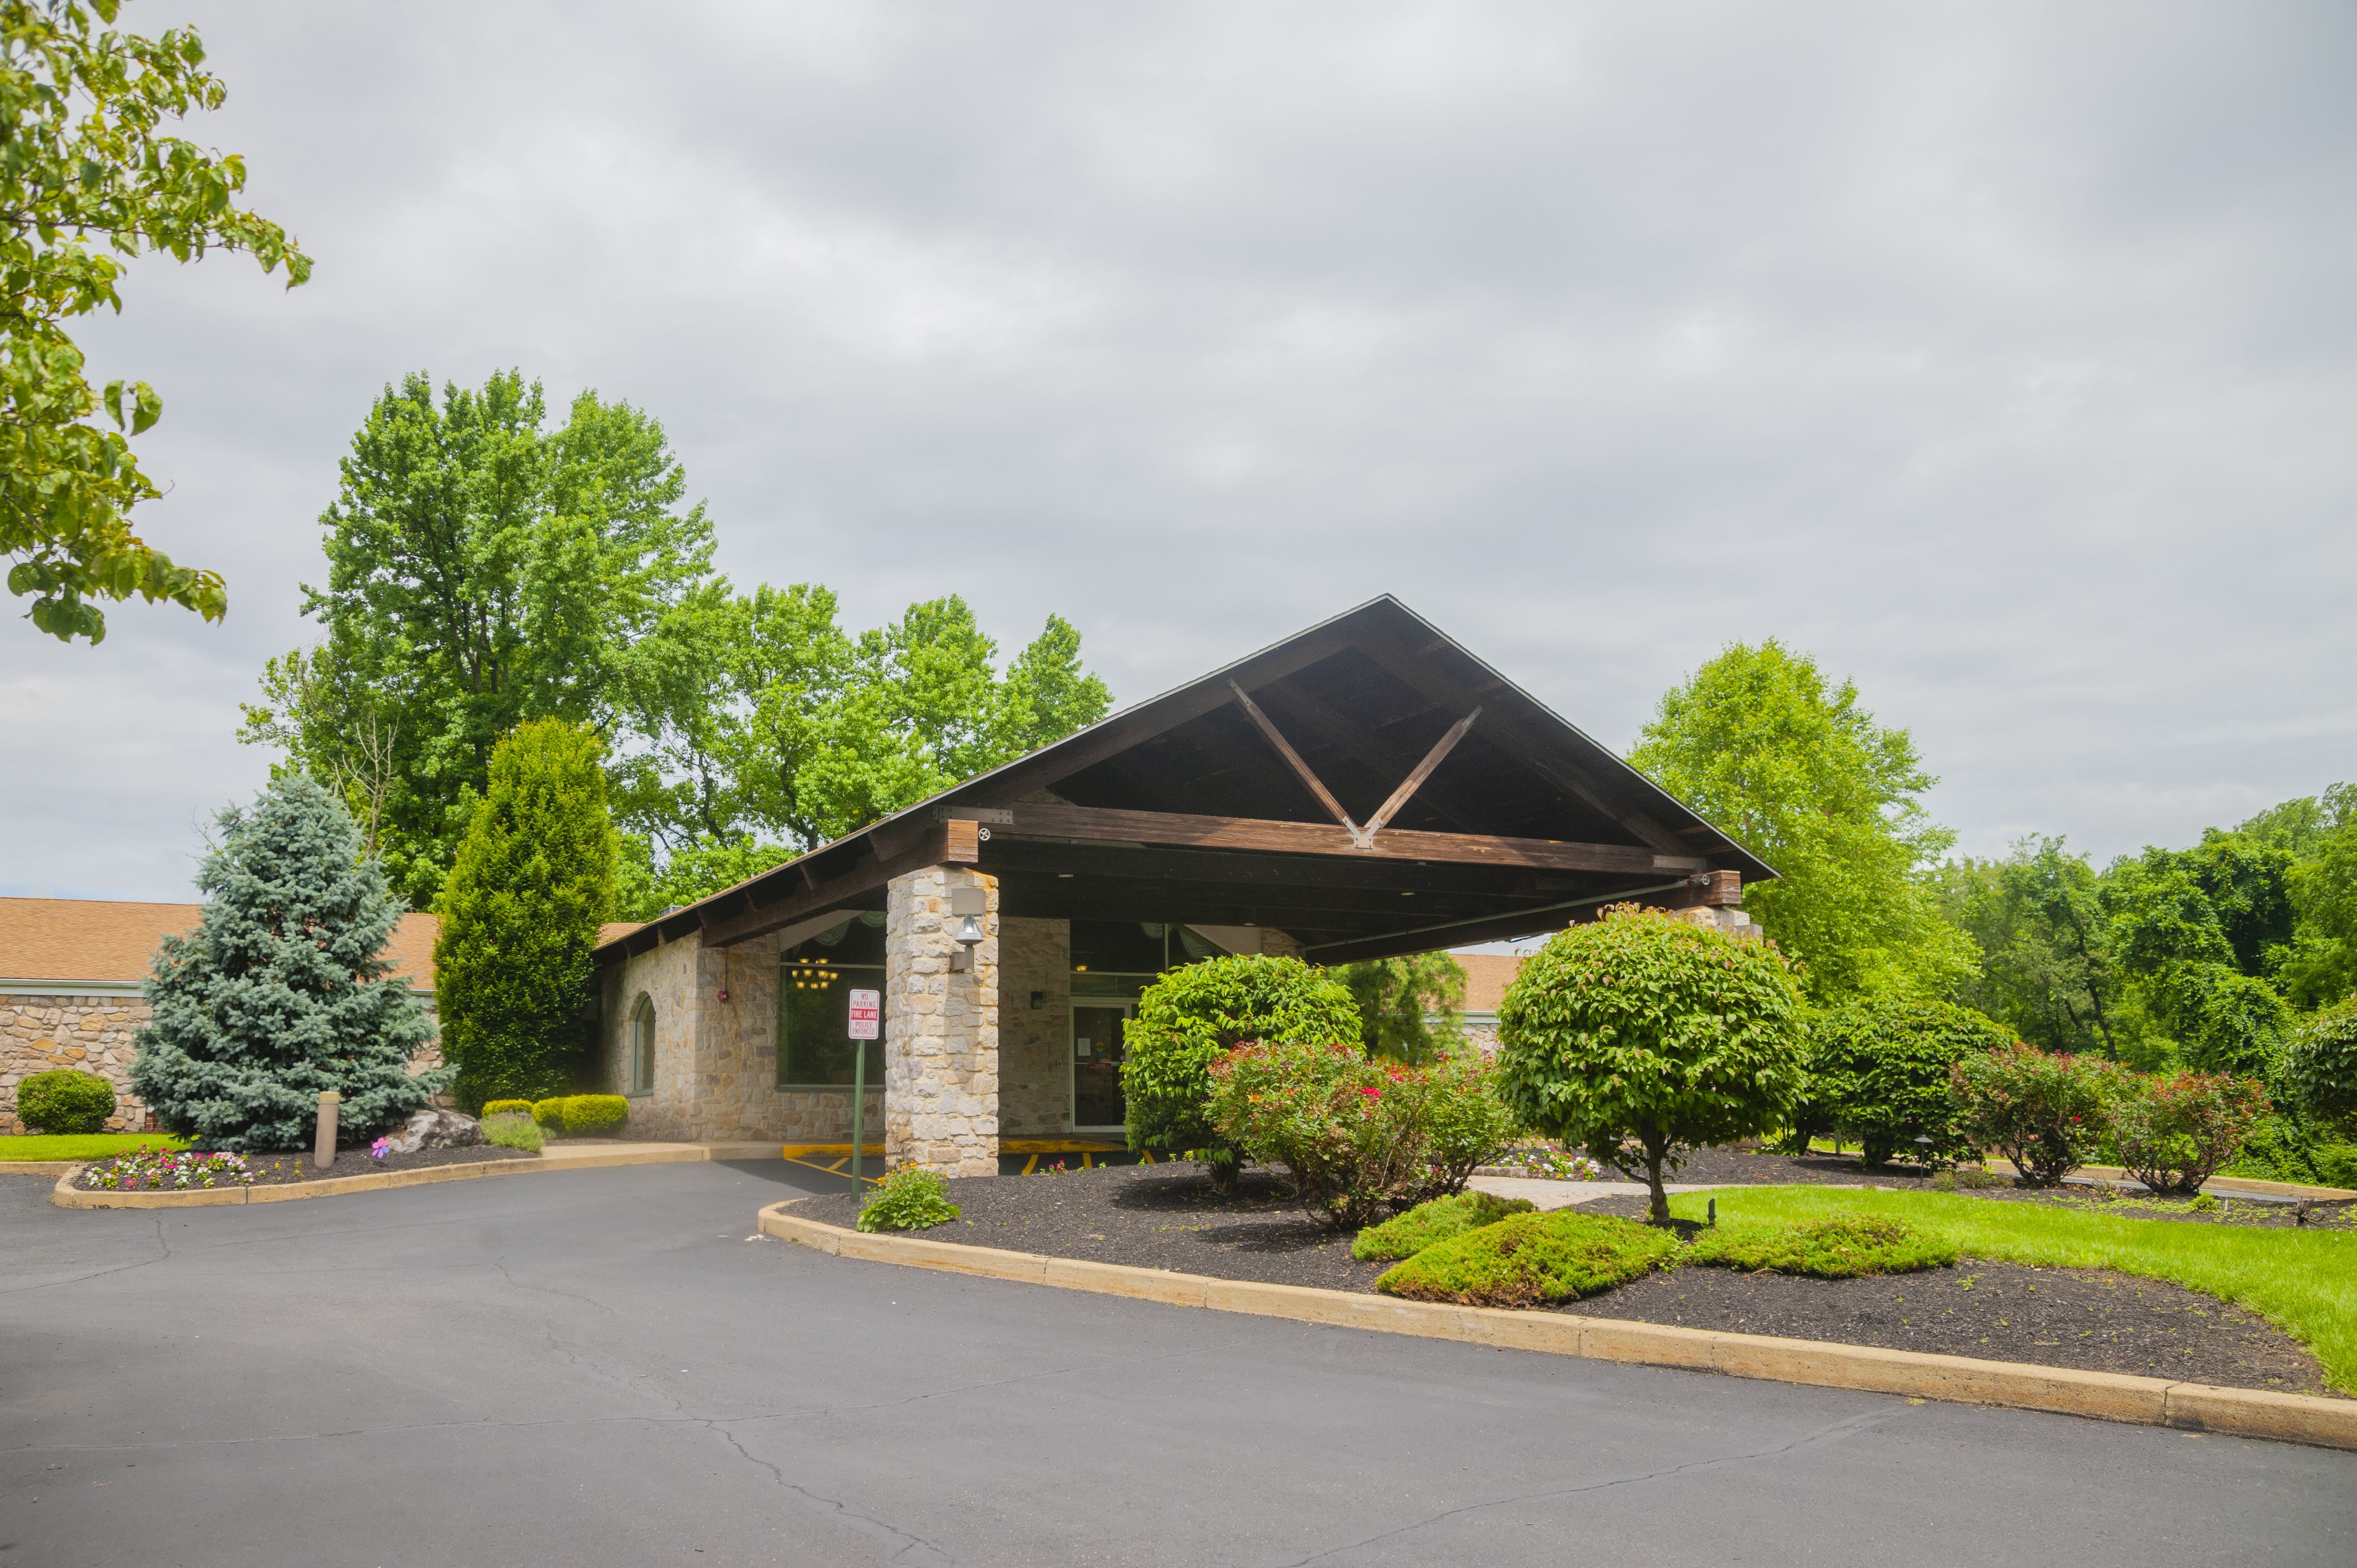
642, 1048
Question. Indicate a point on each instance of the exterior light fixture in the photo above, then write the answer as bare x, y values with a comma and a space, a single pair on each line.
967, 907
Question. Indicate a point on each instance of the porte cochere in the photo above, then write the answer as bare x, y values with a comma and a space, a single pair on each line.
1364, 789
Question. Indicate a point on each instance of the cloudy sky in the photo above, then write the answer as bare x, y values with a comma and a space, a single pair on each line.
2002, 356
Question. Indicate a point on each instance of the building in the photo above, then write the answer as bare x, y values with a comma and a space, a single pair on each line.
1007, 926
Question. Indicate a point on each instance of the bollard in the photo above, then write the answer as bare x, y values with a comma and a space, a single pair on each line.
324, 1155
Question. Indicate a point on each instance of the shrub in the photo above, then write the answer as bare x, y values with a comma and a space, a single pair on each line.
1531, 1259
595, 1115
1466, 1124
2284, 1147
1348, 1131
507, 1106
2045, 1113
907, 1199
1945, 1181
532, 878
550, 1115
65, 1101
1878, 1070
2176, 1131
282, 990
1442, 1219
1841, 1248
1644, 1029
512, 1130
1192, 1017
2320, 1067
2204, 1204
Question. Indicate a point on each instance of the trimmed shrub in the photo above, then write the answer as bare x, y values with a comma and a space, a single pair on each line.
1533, 1259
907, 1199
1878, 1073
532, 878
1842, 1248
512, 1130
2047, 1114
1442, 1219
2176, 1131
1191, 1016
507, 1106
1643, 1034
65, 1101
1348, 1131
2320, 1067
284, 990
595, 1115
550, 1115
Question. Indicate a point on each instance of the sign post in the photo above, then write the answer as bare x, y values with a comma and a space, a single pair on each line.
867, 1024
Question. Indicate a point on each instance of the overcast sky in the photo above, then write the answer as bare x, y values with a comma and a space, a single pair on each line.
1999, 356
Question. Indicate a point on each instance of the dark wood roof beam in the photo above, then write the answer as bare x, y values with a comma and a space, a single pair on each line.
1306, 712
1682, 894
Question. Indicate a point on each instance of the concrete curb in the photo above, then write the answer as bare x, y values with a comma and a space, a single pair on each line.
40, 1167
65, 1195
2102, 1396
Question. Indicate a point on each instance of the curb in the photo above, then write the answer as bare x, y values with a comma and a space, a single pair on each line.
1959, 1379
65, 1195
40, 1167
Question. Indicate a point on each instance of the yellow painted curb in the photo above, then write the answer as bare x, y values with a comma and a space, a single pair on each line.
65, 1195
1959, 1379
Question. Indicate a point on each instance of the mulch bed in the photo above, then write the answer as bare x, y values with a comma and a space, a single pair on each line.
1163, 1216
288, 1169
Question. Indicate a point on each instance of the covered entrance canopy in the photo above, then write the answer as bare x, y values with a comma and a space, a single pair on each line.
1367, 787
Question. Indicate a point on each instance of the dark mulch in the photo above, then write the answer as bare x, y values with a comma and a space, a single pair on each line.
285, 1169
1167, 1217
1742, 1167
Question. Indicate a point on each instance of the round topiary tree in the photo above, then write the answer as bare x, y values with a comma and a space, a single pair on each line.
532, 880
282, 990
2320, 1067
1642, 1035
65, 1101
1880, 1067
1192, 1016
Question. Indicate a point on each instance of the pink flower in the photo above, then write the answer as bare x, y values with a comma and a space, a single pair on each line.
1372, 1093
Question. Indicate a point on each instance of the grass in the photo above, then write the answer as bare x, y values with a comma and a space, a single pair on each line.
2305, 1282
1845, 1247
80, 1145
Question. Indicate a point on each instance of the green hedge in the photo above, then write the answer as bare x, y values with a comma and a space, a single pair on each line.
550, 1115
506, 1108
595, 1115
65, 1101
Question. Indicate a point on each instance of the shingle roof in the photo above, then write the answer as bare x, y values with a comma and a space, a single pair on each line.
110, 940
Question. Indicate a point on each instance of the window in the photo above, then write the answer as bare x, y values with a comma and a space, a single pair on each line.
642, 1048
816, 981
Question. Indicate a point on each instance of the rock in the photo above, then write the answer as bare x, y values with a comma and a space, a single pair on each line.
436, 1130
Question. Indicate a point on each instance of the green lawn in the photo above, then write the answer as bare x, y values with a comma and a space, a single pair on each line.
79, 1146
2304, 1280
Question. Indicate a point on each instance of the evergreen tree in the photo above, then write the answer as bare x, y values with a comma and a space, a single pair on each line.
282, 990
533, 880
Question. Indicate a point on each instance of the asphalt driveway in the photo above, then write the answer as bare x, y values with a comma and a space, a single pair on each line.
603, 1368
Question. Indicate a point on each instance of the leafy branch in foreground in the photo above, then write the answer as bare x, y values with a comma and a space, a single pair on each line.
81, 159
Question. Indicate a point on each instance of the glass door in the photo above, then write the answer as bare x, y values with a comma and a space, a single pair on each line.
1096, 1062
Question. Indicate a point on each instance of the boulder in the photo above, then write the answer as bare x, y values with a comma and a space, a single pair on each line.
431, 1129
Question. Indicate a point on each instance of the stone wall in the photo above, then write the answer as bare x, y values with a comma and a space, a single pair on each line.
940, 1039
1035, 1036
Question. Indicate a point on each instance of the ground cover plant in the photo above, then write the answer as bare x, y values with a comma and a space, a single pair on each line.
1441, 1219
1640, 1036
2304, 1280
64, 1100
907, 1199
512, 1130
1841, 1247
22, 1146
1533, 1260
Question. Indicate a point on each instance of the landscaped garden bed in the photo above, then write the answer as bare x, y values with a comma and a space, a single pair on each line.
167, 1170
2092, 1315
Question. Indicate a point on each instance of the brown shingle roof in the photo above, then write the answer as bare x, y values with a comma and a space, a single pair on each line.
95, 938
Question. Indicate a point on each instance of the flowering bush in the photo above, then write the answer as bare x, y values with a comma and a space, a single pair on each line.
147, 1169
1465, 1123
2045, 1113
2176, 1132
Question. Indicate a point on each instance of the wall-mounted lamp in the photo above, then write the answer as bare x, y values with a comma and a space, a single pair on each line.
967, 907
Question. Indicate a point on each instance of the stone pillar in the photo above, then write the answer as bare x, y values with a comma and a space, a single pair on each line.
941, 1031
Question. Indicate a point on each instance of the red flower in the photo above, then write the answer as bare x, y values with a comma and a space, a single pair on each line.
1372, 1093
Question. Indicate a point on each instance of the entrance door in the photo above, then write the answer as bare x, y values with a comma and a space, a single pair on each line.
1096, 1063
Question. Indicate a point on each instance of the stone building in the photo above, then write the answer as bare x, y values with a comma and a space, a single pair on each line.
1007, 926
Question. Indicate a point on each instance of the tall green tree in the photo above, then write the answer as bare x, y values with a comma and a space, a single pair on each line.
1762, 744
282, 991
533, 880
2047, 969
88, 180
484, 569
1408, 1007
2319, 966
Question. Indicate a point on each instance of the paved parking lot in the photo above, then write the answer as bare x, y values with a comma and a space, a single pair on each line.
597, 1368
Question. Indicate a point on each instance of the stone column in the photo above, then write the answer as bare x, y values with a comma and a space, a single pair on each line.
941, 1031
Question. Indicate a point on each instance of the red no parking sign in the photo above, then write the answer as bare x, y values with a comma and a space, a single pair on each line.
867, 1014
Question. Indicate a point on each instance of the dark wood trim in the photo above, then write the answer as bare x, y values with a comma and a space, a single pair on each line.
1499, 927
861, 878
1305, 713
1414, 781
1302, 770
1005, 855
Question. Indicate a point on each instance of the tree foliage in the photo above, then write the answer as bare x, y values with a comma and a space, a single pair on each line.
533, 880
2320, 1069
282, 991
1760, 742
88, 180
1399, 1000
2047, 968
1878, 1069
1640, 1036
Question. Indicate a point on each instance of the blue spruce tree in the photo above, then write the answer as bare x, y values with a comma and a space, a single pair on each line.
282, 991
